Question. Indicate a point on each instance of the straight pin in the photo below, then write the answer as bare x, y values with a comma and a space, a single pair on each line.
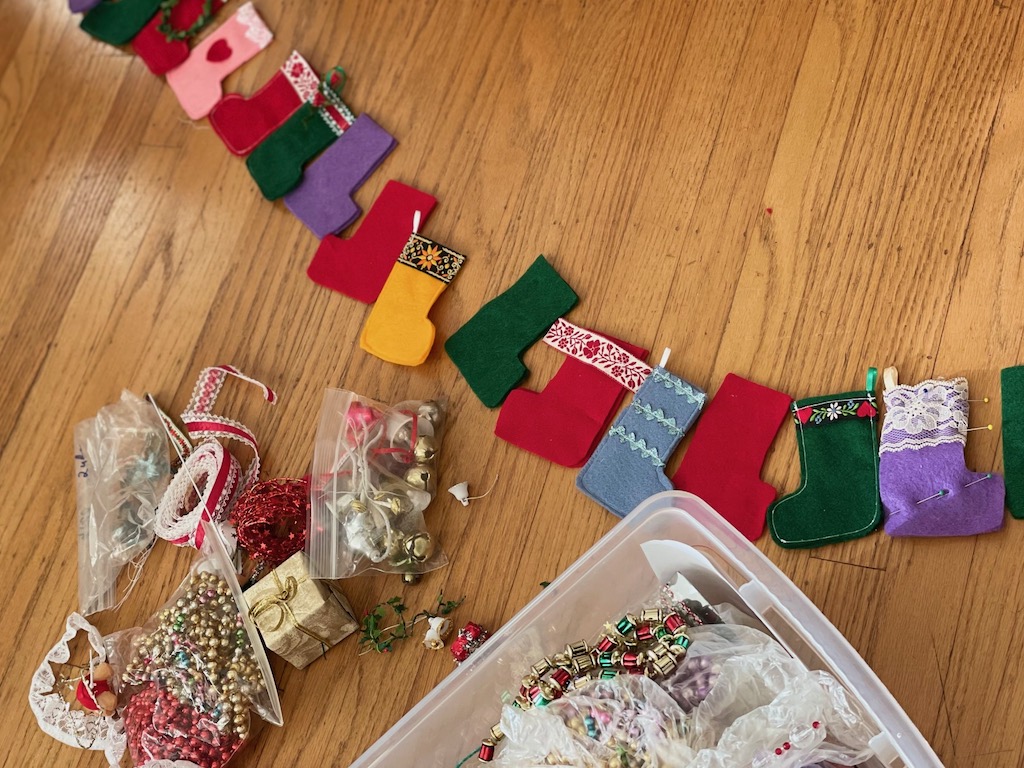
975, 429
938, 495
988, 476
982, 400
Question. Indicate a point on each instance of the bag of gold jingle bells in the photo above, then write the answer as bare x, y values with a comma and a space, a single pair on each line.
196, 671
374, 472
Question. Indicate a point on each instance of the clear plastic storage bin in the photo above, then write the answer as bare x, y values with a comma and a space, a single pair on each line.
622, 569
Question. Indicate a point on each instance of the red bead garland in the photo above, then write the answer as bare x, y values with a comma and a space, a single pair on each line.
270, 519
160, 727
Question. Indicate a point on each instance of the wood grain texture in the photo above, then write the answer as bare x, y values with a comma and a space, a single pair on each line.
792, 191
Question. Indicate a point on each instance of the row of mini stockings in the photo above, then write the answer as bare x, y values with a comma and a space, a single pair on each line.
628, 464
564, 421
926, 487
487, 350
398, 329
838, 497
723, 461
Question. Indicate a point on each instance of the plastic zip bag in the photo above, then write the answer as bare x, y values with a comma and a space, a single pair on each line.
194, 673
122, 470
374, 472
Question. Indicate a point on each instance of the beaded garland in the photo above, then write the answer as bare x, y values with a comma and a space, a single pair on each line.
202, 671
650, 644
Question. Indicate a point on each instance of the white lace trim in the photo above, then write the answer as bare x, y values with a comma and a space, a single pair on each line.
256, 29
913, 421
302, 76
84, 730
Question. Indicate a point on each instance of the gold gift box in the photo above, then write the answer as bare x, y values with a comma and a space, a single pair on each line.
299, 617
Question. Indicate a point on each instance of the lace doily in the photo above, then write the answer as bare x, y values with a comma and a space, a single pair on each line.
931, 413
85, 730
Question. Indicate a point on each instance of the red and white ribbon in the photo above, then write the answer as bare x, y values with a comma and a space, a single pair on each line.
594, 349
210, 478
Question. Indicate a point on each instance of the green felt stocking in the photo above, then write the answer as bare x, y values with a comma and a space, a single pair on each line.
276, 164
486, 349
1013, 438
119, 22
838, 497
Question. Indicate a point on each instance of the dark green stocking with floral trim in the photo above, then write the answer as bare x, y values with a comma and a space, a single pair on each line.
838, 497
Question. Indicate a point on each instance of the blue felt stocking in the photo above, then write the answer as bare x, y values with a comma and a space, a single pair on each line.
629, 463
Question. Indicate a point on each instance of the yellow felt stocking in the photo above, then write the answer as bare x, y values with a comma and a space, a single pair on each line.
398, 329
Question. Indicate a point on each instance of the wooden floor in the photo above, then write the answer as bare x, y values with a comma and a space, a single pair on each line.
792, 191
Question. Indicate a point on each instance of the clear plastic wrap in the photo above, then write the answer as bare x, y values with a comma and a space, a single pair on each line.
374, 472
122, 470
624, 719
195, 671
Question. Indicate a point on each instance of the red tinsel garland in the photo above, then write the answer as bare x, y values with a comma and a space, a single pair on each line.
270, 519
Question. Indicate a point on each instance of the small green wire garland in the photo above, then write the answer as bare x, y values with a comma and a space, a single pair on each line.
173, 34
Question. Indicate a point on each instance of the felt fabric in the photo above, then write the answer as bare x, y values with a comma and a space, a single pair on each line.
152, 46
564, 421
81, 6
276, 164
118, 22
925, 485
723, 462
1012, 393
838, 496
323, 200
397, 329
628, 464
360, 265
197, 81
487, 348
242, 123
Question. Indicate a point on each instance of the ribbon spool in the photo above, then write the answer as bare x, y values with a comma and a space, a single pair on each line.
212, 473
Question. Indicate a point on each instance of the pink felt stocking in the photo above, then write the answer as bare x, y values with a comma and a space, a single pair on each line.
197, 82
360, 265
564, 422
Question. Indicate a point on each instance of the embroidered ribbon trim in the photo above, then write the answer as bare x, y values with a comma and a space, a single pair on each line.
598, 351
280, 601
693, 395
431, 258
202, 425
637, 444
840, 409
328, 103
302, 77
658, 415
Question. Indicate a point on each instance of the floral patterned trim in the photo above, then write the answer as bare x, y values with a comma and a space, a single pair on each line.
637, 444
256, 29
658, 415
594, 349
693, 395
431, 258
302, 76
839, 409
335, 112
931, 413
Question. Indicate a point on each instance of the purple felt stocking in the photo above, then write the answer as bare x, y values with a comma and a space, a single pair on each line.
323, 201
926, 487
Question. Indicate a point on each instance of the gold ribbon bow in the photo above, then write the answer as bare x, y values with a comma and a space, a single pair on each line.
280, 601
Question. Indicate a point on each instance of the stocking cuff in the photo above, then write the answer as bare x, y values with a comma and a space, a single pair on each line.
598, 351
302, 77
932, 413
256, 29
816, 411
431, 258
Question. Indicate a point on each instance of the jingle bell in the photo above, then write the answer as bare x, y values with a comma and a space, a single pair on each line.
419, 547
402, 437
411, 578
395, 503
425, 449
431, 411
420, 477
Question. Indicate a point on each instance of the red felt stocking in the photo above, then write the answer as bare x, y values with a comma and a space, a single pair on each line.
723, 463
563, 422
152, 46
360, 265
243, 123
